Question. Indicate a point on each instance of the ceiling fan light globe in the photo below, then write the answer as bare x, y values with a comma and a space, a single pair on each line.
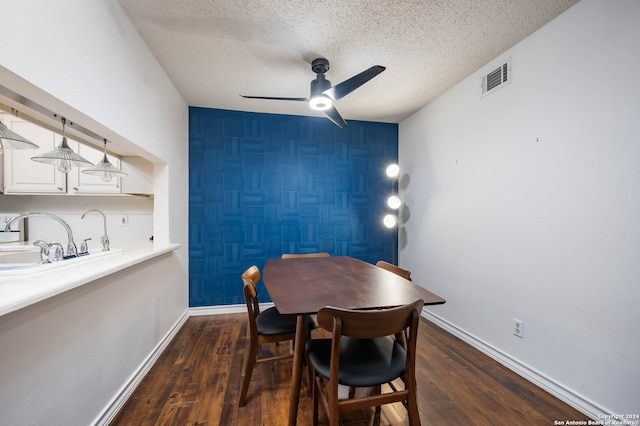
320, 103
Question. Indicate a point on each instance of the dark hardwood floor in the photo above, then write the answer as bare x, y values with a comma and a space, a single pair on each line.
196, 381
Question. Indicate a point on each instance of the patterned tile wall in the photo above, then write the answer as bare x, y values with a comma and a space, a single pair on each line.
263, 184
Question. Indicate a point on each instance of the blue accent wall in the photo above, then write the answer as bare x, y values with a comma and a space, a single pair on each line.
264, 184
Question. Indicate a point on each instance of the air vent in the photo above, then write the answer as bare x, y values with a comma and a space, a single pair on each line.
497, 77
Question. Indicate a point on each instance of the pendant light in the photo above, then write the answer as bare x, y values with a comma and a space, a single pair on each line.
104, 168
11, 140
63, 157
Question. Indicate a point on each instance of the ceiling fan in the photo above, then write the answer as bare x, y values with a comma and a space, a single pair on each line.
323, 95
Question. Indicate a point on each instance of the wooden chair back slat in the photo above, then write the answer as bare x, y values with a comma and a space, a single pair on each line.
370, 324
302, 256
395, 269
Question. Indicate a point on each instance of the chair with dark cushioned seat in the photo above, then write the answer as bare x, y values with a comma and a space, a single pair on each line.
267, 326
395, 269
306, 256
364, 353
404, 273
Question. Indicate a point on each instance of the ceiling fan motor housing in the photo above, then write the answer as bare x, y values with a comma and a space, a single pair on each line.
319, 85
320, 65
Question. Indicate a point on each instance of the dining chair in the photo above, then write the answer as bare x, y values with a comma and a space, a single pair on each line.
406, 274
305, 256
266, 326
395, 269
302, 256
363, 352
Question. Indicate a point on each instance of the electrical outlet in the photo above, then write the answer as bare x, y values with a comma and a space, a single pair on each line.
518, 328
124, 220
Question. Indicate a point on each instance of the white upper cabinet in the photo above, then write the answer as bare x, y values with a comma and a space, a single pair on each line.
21, 174
82, 183
139, 179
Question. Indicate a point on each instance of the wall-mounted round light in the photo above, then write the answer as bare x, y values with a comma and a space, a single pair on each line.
390, 221
320, 103
393, 170
394, 202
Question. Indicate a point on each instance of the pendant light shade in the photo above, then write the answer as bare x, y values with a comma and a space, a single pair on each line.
104, 168
63, 157
11, 140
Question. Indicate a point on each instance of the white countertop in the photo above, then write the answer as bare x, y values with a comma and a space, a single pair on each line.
21, 289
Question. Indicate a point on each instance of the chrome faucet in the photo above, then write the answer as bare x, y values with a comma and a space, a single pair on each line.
72, 250
105, 238
49, 252
58, 253
45, 250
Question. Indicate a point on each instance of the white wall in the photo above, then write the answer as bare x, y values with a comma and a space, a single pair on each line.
64, 360
525, 204
137, 233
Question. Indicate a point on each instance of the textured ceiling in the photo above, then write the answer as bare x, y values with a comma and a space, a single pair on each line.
215, 50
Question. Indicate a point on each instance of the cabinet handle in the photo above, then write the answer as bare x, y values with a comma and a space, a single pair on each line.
75, 189
59, 188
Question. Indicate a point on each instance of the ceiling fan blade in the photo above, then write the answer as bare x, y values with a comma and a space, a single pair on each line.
333, 115
341, 90
275, 99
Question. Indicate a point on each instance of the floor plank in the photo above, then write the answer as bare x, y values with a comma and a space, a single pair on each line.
196, 381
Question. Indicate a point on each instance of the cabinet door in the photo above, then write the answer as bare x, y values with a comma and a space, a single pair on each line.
139, 179
82, 183
21, 174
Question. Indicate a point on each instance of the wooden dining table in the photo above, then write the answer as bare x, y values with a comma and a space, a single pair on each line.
302, 286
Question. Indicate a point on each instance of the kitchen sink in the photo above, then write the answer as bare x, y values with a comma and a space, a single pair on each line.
17, 265
19, 259
25, 260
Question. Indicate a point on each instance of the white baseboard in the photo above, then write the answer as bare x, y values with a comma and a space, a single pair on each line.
112, 409
217, 310
224, 309
125, 392
556, 389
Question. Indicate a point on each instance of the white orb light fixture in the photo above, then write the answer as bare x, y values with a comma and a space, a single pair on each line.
393, 170
394, 202
390, 221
